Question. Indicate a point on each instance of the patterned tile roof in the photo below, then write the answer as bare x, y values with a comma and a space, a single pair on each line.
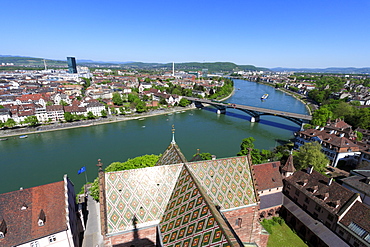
191, 219
141, 193
228, 182
21, 209
172, 155
144, 193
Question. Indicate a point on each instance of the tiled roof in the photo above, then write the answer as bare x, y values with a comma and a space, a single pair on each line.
359, 214
358, 183
144, 193
289, 165
22, 225
172, 155
268, 175
271, 200
315, 186
228, 182
192, 219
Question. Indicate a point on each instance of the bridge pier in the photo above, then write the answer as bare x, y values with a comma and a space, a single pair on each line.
221, 111
255, 119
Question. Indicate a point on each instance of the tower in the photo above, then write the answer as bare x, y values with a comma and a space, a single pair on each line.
72, 69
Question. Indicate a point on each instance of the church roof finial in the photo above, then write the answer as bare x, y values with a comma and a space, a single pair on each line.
173, 134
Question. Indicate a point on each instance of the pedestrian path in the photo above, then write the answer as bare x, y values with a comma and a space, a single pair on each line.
92, 236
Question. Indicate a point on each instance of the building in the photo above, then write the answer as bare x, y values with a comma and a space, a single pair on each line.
269, 183
72, 68
45, 215
359, 183
180, 203
323, 212
334, 145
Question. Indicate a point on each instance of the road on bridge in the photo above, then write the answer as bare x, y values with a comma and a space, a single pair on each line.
261, 111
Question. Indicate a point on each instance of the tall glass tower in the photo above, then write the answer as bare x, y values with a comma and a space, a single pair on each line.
71, 65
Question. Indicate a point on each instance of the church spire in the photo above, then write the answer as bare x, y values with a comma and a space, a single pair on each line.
173, 134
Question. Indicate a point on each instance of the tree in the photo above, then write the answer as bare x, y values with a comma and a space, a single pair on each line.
63, 103
117, 99
31, 121
246, 146
310, 154
184, 102
90, 115
321, 116
1, 124
10, 123
141, 107
68, 117
104, 113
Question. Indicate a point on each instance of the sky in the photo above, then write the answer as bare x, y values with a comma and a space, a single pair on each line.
264, 33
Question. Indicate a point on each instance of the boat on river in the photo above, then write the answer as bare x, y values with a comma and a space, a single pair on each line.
23, 136
3, 139
265, 96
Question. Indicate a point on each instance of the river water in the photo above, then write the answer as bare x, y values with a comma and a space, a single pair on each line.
44, 158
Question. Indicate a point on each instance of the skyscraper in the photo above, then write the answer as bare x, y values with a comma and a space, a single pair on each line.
71, 65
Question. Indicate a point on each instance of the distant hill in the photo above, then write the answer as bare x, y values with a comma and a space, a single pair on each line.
191, 66
31, 61
334, 70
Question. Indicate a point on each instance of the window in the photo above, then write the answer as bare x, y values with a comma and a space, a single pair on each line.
306, 200
355, 244
35, 244
304, 206
297, 192
52, 239
288, 186
315, 215
330, 217
1, 235
317, 208
341, 232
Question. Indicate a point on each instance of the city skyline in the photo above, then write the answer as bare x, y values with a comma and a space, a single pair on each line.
315, 34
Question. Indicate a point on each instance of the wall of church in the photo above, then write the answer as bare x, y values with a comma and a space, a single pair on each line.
141, 237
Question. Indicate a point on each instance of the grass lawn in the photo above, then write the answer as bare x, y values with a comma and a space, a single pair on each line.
283, 236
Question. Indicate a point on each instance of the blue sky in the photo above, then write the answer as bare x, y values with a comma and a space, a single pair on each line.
265, 33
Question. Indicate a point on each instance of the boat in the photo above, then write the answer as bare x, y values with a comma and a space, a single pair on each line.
264, 96
23, 136
3, 139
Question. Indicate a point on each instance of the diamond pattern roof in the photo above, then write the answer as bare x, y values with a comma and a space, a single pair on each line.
228, 182
172, 155
190, 219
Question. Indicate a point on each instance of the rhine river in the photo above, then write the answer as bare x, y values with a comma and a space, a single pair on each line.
44, 158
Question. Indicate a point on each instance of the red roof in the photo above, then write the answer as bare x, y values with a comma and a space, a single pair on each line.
268, 175
22, 224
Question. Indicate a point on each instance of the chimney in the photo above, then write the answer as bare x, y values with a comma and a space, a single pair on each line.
330, 181
367, 180
309, 169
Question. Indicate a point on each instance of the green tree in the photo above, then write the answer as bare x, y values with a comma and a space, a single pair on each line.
113, 111
247, 146
184, 102
10, 123
141, 107
90, 115
63, 103
2, 124
104, 113
310, 154
31, 121
117, 99
321, 116
68, 117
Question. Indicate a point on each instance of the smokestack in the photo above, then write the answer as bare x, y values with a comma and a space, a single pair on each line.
309, 169
330, 181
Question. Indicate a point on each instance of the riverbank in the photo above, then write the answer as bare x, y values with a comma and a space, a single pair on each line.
87, 123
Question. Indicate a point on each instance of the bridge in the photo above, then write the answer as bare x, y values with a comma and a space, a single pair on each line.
254, 112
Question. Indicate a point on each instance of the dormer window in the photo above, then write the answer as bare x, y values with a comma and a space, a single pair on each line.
3, 229
24, 206
42, 218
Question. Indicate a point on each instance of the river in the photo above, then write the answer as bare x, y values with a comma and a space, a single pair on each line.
44, 158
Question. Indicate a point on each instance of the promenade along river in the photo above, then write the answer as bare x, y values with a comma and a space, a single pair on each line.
46, 157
